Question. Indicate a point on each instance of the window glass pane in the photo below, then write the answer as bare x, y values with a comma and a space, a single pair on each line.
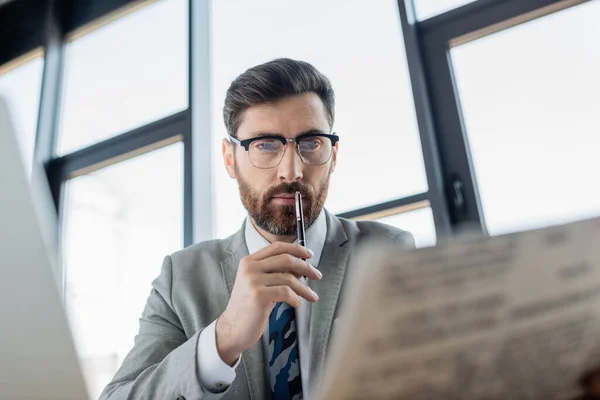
125, 75
367, 66
21, 88
418, 222
119, 223
430, 8
530, 103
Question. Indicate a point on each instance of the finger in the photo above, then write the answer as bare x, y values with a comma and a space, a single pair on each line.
288, 263
280, 279
277, 294
276, 248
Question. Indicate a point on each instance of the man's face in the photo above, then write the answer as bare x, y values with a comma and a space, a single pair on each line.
267, 194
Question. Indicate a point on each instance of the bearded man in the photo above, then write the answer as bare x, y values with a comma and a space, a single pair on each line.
252, 316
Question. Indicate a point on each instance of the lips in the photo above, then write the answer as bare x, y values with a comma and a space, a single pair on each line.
284, 196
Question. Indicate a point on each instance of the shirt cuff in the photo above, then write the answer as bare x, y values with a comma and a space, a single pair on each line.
215, 374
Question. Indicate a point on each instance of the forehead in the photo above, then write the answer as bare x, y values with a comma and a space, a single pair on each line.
288, 117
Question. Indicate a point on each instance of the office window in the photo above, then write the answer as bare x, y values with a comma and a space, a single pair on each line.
359, 46
126, 74
20, 87
530, 101
430, 8
418, 222
119, 223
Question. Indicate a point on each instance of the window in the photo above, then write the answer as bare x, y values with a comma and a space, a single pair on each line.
125, 75
119, 223
418, 222
530, 101
21, 87
430, 8
366, 63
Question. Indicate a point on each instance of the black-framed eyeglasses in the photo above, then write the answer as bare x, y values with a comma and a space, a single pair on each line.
267, 151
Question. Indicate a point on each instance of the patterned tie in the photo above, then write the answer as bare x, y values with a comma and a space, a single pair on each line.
284, 362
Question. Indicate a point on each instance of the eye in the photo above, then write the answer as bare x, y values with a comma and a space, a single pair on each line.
311, 144
266, 146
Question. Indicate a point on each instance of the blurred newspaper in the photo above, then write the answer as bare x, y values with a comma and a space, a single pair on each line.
508, 317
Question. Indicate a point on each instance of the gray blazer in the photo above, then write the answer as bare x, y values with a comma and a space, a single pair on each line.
193, 290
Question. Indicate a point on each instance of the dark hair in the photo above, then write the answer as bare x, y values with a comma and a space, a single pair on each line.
272, 81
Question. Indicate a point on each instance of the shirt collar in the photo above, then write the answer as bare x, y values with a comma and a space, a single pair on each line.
315, 238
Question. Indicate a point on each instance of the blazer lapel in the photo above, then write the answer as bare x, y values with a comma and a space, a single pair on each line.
333, 266
252, 359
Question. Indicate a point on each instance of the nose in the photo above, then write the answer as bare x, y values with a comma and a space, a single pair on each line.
290, 167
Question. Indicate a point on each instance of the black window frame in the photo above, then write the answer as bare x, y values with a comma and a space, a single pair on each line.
452, 194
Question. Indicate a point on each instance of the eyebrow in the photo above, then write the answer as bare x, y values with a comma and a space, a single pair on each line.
307, 132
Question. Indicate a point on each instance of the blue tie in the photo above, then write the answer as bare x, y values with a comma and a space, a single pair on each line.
284, 361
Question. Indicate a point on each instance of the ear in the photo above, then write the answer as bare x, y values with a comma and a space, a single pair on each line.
229, 157
334, 157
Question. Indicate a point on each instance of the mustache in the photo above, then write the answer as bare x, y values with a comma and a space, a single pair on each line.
289, 188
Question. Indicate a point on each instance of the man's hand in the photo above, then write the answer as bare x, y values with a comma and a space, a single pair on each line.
263, 279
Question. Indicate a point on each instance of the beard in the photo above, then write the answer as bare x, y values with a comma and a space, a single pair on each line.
280, 220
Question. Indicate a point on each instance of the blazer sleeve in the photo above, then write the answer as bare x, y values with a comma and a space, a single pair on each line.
163, 362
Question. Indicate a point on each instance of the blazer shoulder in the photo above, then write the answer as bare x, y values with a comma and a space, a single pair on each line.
209, 252
377, 231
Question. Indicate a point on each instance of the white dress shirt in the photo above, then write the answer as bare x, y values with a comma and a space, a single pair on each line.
215, 374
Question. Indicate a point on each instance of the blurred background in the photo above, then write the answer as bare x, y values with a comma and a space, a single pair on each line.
454, 116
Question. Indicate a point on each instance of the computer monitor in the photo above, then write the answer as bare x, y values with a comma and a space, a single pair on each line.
38, 359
